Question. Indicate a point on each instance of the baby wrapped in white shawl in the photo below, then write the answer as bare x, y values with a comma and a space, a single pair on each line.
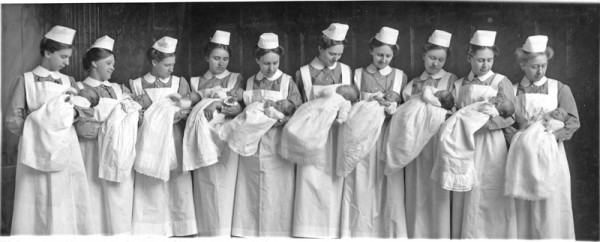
455, 167
201, 142
305, 135
359, 134
418, 120
244, 132
48, 130
530, 163
155, 148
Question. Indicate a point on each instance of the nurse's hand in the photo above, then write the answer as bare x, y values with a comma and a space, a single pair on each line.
181, 114
281, 122
210, 109
87, 129
231, 111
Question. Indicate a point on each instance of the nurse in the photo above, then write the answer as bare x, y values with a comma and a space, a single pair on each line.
165, 208
214, 185
427, 204
484, 212
551, 218
318, 196
373, 204
264, 197
112, 201
51, 197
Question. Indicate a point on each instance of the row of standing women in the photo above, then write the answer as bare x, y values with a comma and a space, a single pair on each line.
265, 195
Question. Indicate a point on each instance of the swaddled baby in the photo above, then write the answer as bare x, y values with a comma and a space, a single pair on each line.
418, 121
531, 160
244, 132
304, 137
455, 170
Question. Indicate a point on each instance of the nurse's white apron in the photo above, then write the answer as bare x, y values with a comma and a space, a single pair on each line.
214, 186
112, 202
484, 212
427, 203
264, 196
51, 202
373, 204
551, 218
318, 198
164, 208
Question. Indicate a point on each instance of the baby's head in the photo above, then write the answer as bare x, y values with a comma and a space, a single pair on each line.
445, 98
235, 95
285, 106
91, 95
391, 96
144, 100
504, 106
349, 92
559, 114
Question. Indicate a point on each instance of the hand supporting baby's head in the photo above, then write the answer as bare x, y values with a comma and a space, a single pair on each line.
446, 99
504, 106
91, 95
349, 92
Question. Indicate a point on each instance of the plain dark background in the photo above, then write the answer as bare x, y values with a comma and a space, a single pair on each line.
573, 31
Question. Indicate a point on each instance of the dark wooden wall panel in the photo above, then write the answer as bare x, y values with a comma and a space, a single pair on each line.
573, 31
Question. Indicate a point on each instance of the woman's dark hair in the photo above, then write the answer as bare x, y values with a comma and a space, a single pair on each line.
210, 46
523, 56
430, 46
156, 55
52, 46
374, 43
325, 42
259, 52
474, 48
94, 54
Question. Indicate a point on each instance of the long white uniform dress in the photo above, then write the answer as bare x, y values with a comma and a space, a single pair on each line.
164, 208
264, 196
373, 204
484, 212
551, 218
214, 185
427, 203
48, 201
318, 199
112, 202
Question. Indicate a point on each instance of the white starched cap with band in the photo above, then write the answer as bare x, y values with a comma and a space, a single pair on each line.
536, 43
165, 45
483, 38
387, 35
336, 31
268, 41
61, 34
440, 38
221, 37
104, 42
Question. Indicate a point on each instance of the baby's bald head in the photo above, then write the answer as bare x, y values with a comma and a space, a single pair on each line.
349, 92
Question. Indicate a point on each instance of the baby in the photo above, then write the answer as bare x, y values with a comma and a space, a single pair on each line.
305, 135
389, 100
440, 98
497, 106
555, 120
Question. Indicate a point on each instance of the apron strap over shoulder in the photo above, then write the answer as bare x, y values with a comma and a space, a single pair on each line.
346, 74
307, 81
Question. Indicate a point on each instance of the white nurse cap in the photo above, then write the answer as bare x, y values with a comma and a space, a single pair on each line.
104, 42
221, 37
61, 34
336, 31
483, 38
441, 38
165, 45
268, 41
536, 43
387, 36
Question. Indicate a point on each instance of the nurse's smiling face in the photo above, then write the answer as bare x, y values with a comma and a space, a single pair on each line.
163, 68
218, 60
331, 55
382, 56
58, 59
434, 60
105, 67
481, 61
535, 68
269, 64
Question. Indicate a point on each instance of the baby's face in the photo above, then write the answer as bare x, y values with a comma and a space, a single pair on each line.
392, 96
559, 114
285, 106
348, 92
90, 95
237, 94
504, 106
144, 100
